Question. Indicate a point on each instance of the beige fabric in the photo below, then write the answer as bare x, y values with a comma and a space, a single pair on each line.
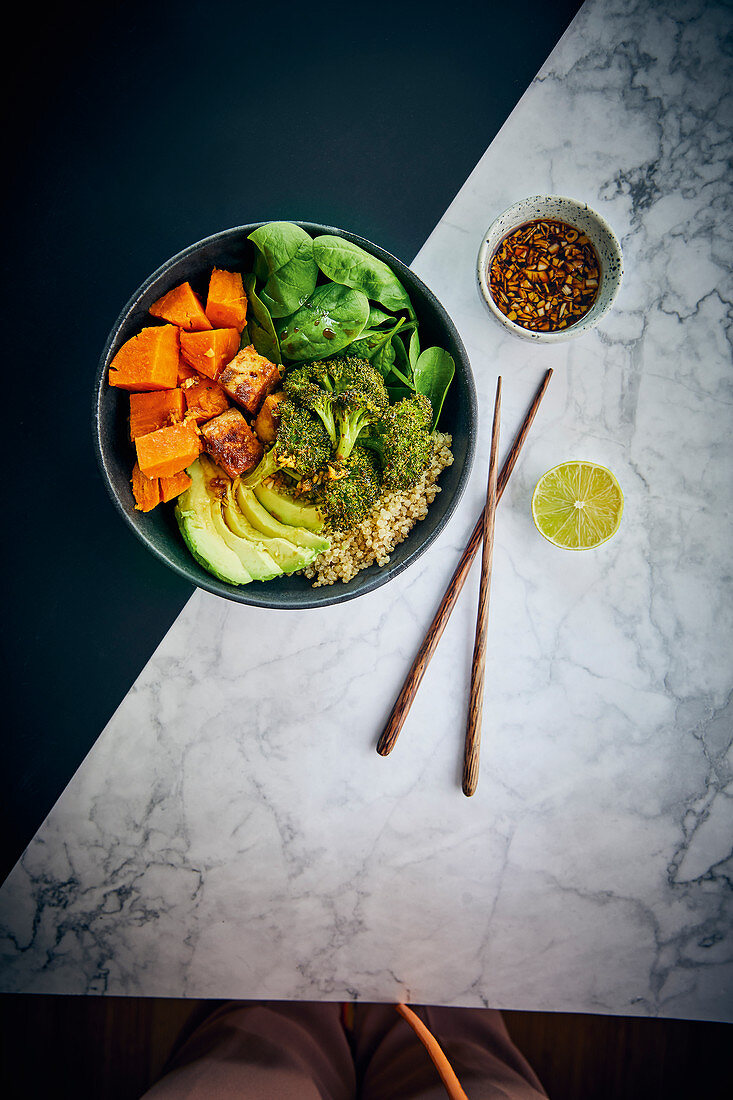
300, 1051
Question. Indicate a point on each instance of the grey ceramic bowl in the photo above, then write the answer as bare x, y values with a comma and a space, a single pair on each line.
582, 217
158, 529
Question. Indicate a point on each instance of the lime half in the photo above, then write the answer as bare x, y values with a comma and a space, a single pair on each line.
577, 505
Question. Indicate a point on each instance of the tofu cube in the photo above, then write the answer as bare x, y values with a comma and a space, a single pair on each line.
248, 378
231, 443
268, 418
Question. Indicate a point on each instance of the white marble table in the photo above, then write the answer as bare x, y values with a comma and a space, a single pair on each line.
234, 833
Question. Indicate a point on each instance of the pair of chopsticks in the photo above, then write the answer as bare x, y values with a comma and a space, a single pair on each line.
434, 633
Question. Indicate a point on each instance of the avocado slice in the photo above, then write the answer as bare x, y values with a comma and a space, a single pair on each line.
288, 555
194, 517
287, 509
251, 552
253, 555
262, 520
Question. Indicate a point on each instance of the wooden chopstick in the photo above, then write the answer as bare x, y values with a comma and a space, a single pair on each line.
409, 689
472, 748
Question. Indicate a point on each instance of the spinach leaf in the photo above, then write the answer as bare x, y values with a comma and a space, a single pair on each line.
347, 263
373, 341
378, 317
332, 318
260, 267
259, 323
414, 349
400, 371
384, 357
396, 376
401, 357
433, 374
285, 265
263, 342
367, 343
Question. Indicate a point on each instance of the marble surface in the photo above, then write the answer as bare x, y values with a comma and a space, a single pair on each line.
234, 833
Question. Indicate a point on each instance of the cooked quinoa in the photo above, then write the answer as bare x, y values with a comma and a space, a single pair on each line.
389, 523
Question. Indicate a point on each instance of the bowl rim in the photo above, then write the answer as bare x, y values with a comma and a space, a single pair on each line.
586, 323
324, 596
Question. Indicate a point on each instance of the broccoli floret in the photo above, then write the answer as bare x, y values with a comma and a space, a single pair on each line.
312, 387
302, 442
347, 499
402, 439
347, 393
302, 446
361, 401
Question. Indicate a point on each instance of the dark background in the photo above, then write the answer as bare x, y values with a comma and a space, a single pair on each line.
128, 136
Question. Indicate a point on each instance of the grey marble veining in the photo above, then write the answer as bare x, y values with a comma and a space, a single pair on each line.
233, 832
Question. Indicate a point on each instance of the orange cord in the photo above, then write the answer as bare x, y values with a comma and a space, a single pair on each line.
434, 1049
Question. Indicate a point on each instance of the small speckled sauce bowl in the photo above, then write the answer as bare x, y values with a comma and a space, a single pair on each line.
581, 217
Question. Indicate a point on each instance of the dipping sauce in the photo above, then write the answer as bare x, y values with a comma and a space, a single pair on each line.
545, 275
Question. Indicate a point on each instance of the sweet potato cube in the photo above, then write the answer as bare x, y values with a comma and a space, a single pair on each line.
146, 490
249, 378
231, 443
268, 418
182, 307
148, 361
184, 371
167, 451
226, 305
209, 352
204, 399
171, 487
150, 411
